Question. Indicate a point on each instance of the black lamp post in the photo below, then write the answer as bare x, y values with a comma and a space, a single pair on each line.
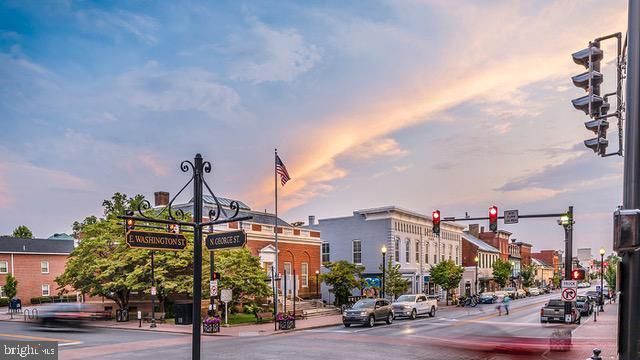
476, 259
602, 251
153, 293
384, 267
317, 284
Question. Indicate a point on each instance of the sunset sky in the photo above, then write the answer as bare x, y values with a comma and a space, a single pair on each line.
418, 104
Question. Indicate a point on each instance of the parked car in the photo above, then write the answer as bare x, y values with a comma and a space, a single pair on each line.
413, 305
585, 305
595, 295
553, 311
520, 294
584, 285
500, 293
511, 291
488, 298
545, 289
368, 312
534, 291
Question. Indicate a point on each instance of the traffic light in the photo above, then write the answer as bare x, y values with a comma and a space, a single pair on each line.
216, 276
592, 104
578, 274
435, 218
493, 218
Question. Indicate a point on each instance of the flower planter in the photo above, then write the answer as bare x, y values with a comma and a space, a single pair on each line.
211, 328
286, 324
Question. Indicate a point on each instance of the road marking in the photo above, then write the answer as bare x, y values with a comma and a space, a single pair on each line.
71, 343
38, 338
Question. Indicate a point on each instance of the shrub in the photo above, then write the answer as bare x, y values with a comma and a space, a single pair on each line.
4, 301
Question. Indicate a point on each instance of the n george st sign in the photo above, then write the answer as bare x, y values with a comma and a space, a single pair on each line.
226, 240
155, 240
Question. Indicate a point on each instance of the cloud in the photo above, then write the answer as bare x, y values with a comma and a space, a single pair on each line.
376, 148
142, 27
153, 164
276, 55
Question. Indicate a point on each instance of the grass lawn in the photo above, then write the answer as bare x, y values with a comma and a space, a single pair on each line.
240, 318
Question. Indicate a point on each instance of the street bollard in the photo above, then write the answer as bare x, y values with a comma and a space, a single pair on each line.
595, 314
140, 318
596, 354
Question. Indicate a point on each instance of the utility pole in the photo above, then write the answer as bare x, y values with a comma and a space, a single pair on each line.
629, 311
568, 253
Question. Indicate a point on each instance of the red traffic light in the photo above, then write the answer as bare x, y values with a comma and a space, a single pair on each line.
578, 274
493, 218
605, 264
435, 218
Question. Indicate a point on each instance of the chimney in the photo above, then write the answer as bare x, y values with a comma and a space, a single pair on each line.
312, 220
161, 198
474, 229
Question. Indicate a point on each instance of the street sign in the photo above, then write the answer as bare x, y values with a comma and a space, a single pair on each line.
569, 284
511, 216
155, 240
225, 295
569, 294
213, 288
225, 240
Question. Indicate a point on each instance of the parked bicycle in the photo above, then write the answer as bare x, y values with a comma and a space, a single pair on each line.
472, 301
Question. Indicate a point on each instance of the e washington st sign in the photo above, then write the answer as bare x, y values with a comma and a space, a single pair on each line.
226, 240
155, 240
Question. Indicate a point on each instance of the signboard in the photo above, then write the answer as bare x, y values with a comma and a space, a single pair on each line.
569, 284
155, 240
569, 294
511, 216
225, 295
226, 240
213, 288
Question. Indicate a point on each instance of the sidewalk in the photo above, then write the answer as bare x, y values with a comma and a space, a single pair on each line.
236, 330
602, 334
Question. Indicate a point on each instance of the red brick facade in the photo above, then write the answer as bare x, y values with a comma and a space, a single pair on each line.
27, 270
549, 257
499, 240
525, 253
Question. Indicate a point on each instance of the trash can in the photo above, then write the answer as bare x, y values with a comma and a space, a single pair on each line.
183, 313
122, 315
15, 304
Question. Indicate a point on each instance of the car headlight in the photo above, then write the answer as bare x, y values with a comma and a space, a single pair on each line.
363, 313
344, 313
407, 307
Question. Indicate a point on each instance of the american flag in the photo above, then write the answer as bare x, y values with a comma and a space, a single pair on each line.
282, 170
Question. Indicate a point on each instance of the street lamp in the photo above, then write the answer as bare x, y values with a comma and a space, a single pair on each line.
602, 251
384, 267
476, 259
317, 284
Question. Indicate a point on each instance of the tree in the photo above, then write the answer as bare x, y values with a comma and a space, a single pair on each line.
556, 280
448, 275
241, 272
343, 277
77, 226
22, 232
297, 223
528, 274
11, 286
501, 272
611, 271
395, 284
119, 203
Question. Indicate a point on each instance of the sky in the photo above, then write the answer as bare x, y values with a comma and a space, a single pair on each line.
418, 104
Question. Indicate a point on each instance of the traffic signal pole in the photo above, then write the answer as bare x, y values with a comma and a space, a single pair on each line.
568, 253
629, 311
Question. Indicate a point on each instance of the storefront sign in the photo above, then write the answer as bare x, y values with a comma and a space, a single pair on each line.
226, 240
155, 240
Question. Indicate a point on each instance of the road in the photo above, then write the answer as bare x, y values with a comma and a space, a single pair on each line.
455, 333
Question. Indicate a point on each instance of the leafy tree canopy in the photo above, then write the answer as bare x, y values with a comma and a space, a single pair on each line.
501, 272
395, 284
343, 277
22, 232
11, 286
447, 274
528, 274
241, 272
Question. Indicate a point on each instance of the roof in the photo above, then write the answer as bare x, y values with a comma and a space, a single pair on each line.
208, 199
483, 246
61, 236
539, 262
9, 244
263, 218
390, 208
257, 216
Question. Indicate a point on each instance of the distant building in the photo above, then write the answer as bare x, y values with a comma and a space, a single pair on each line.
544, 273
35, 263
473, 247
552, 258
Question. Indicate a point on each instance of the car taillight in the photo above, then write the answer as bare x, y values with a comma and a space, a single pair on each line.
541, 312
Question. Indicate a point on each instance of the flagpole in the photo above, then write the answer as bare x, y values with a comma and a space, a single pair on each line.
275, 185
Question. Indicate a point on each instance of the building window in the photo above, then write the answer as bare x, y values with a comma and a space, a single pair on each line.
304, 279
426, 254
4, 267
2, 294
457, 255
326, 257
396, 248
435, 258
45, 289
407, 251
44, 267
357, 252
287, 268
417, 251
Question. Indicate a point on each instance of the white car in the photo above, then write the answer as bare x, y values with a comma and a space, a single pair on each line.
534, 291
413, 305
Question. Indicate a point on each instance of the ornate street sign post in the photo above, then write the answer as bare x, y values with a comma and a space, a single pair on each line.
170, 241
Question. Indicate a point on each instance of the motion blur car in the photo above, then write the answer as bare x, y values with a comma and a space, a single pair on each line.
584, 285
511, 291
368, 312
488, 298
534, 291
520, 294
545, 289
585, 305
65, 315
413, 305
553, 311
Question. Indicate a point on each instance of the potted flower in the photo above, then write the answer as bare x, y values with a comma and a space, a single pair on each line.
285, 321
211, 324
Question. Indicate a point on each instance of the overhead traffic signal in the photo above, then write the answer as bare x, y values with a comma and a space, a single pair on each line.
435, 218
578, 274
592, 104
493, 218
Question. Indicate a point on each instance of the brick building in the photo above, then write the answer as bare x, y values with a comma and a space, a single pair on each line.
499, 240
35, 263
549, 257
486, 254
525, 252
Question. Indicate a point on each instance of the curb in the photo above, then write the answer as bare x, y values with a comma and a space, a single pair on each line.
279, 332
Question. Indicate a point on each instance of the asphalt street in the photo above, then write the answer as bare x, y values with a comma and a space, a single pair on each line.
455, 333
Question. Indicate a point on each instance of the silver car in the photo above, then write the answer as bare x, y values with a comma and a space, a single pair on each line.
413, 305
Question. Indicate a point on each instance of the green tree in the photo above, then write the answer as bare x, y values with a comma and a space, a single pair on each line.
528, 274
119, 203
11, 286
241, 272
77, 225
394, 283
556, 280
343, 277
611, 270
501, 272
22, 232
448, 275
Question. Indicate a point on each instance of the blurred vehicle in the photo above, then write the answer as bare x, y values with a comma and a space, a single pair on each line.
488, 298
520, 294
545, 289
584, 285
368, 312
500, 293
413, 305
585, 305
511, 291
595, 295
534, 291
65, 315
553, 311
607, 294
